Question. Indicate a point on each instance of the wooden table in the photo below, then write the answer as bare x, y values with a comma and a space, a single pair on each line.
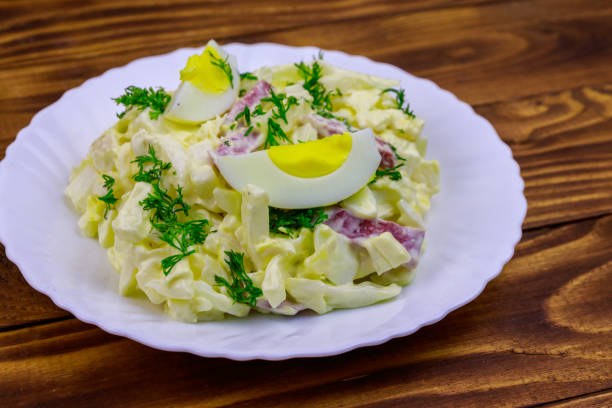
539, 335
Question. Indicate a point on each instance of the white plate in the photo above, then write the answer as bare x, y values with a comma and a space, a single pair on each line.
472, 229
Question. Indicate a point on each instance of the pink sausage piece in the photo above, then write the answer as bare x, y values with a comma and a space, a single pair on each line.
234, 142
328, 126
359, 229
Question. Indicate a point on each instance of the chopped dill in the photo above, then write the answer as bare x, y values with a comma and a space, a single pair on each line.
321, 99
400, 95
242, 289
223, 65
282, 104
153, 174
109, 198
249, 76
244, 114
181, 236
275, 132
392, 173
290, 222
165, 209
143, 98
397, 156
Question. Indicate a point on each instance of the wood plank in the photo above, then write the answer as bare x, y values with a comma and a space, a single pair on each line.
21, 304
496, 52
540, 332
563, 144
104, 20
596, 400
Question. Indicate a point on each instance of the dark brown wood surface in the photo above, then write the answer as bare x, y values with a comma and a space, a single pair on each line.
539, 335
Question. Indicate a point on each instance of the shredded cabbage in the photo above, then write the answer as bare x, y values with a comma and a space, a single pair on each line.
319, 269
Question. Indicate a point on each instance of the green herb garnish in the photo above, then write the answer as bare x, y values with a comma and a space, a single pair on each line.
258, 111
397, 156
400, 95
242, 289
249, 76
282, 104
392, 173
223, 65
142, 98
289, 222
180, 235
275, 132
242, 92
153, 174
109, 198
166, 209
321, 99
245, 114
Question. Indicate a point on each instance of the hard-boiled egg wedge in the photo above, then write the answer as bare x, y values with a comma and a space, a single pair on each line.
209, 86
305, 175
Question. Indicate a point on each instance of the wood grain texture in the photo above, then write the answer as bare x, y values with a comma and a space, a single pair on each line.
539, 335
21, 304
563, 143
596, 400
523, 341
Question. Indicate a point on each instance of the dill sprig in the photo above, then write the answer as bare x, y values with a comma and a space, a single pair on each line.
275, 132
249, 76
290, 222
282, 104
392, 173
321, 98
246, 115
109, 198
153, 174
397, 156
143, 98
180, 235
223, 65
242, 289
166, 209
400, 96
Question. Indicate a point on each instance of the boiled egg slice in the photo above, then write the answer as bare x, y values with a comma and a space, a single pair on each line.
305, 175
210, 84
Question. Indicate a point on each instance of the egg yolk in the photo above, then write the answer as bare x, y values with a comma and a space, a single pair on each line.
312, 159
204, 74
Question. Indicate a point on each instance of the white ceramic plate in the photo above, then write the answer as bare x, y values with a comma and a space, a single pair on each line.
472, 229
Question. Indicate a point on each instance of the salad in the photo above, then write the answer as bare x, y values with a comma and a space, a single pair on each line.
293, 187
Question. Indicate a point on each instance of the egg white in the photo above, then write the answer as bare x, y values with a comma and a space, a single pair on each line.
191, 105
287, 191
